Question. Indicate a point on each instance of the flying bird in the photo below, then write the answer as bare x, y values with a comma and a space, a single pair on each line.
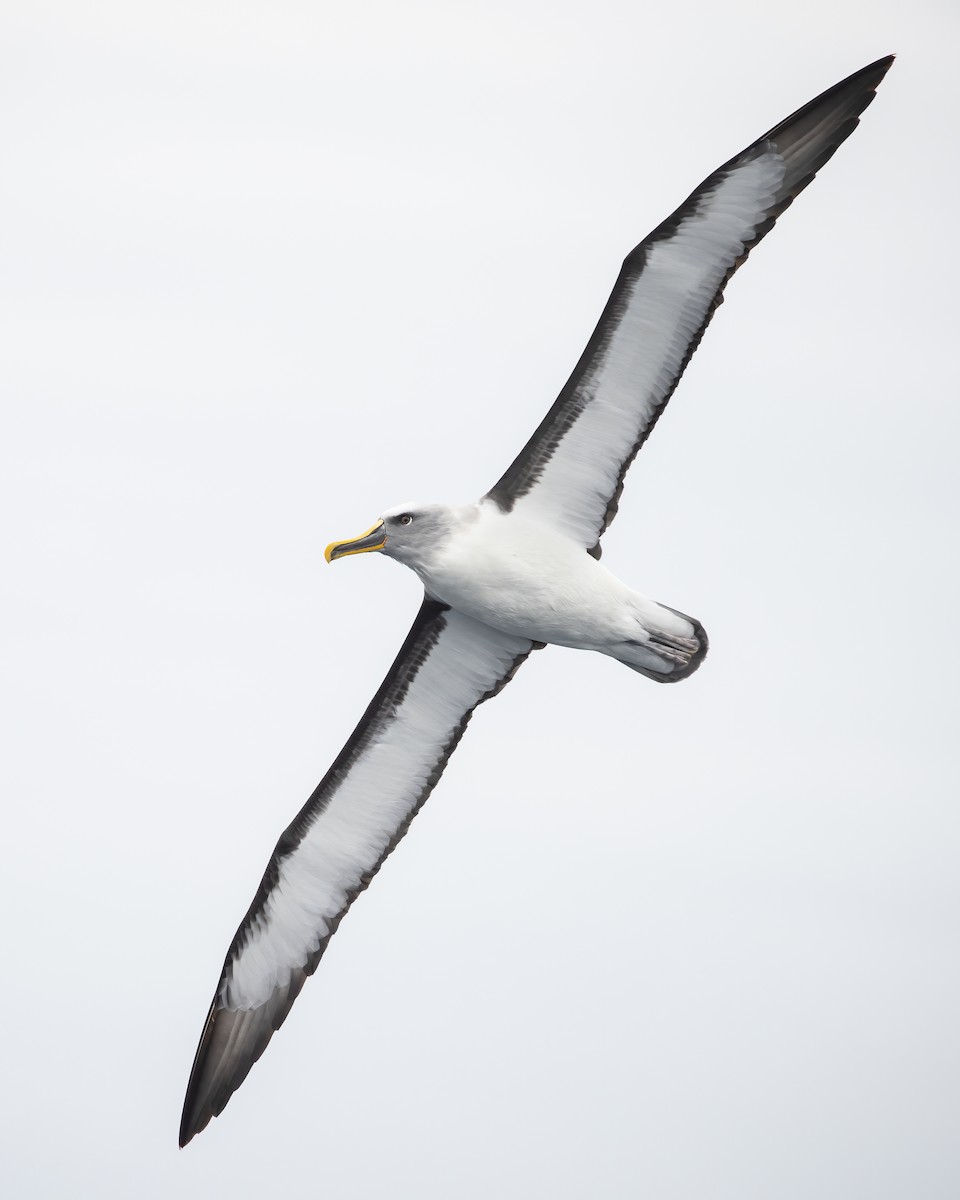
516, 570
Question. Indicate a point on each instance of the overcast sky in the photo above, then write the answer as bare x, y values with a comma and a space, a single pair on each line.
267, 269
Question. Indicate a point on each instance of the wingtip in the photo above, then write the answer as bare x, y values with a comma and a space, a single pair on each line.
880, 67
191, 1124
192, 1121
231, 1042
871, 75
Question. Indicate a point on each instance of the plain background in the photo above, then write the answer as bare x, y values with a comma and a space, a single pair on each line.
266, 269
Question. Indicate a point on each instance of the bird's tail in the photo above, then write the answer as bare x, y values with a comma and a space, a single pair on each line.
665, 656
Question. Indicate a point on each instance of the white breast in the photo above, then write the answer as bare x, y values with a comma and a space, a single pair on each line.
525, 578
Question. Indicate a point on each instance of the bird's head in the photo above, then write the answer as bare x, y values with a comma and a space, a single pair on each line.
408, 533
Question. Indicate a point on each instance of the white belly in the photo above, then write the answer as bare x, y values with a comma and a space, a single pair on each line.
526, 579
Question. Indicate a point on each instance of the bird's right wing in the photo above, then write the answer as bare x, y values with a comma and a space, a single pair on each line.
571, 471
449, 663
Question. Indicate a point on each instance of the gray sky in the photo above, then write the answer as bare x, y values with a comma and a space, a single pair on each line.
266, 270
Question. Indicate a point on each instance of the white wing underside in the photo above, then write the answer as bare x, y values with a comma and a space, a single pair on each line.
448, 665
660, 314
571, 471
367, 807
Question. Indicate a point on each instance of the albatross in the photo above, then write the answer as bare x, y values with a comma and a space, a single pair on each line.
509, 574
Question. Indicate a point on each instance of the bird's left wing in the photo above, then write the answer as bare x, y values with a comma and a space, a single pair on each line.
449, 663
571, 471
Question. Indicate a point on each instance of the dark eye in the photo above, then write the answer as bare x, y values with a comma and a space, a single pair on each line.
406, 519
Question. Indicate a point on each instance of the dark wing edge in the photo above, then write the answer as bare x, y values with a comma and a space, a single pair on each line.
806, 140
233, 1040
